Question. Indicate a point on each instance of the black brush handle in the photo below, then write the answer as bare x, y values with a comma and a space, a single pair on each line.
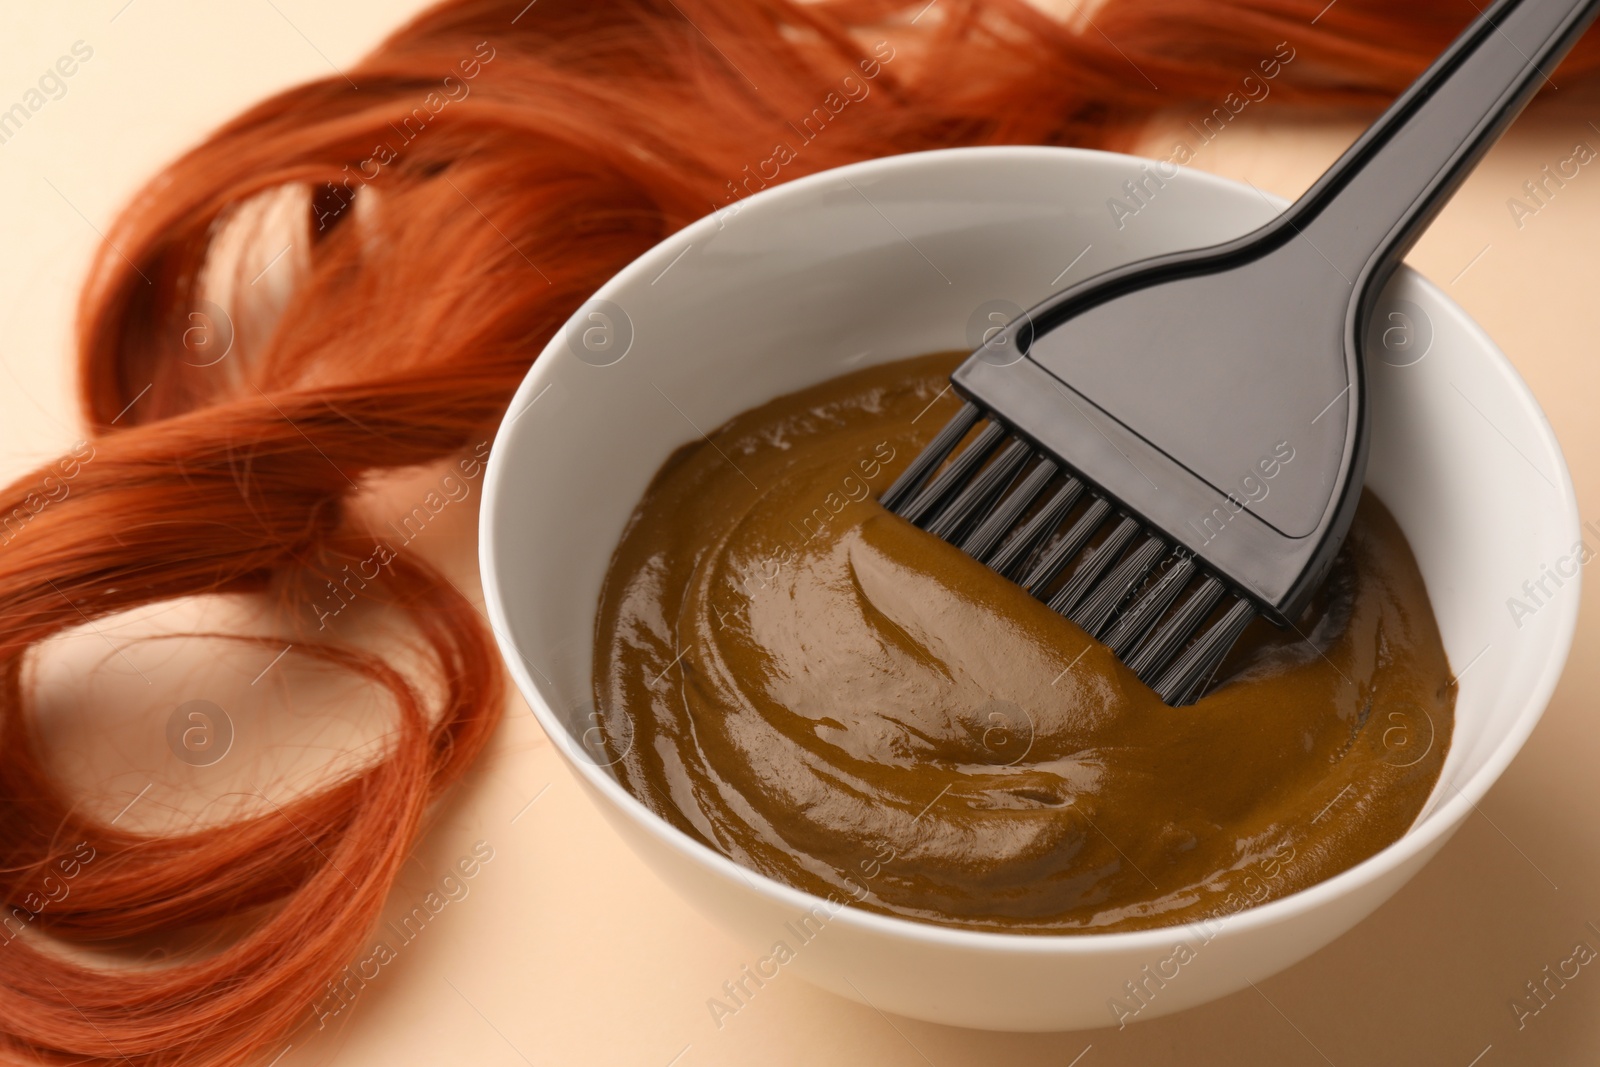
1365, 213
1167, 383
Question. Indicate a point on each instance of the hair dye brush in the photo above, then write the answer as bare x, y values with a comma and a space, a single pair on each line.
1129, 466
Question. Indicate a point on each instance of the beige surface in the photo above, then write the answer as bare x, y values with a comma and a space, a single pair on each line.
566, 950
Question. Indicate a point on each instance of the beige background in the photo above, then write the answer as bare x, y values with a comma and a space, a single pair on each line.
567, 949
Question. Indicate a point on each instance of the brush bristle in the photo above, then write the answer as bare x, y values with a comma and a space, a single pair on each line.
1006, 504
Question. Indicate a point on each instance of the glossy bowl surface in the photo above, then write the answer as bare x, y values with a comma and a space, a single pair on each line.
905, 255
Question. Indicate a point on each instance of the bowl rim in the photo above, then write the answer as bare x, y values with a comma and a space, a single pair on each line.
1433, 825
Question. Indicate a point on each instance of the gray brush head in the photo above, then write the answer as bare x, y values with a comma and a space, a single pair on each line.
1167, 450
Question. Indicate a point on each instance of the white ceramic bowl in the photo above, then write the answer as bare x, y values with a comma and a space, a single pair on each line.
888, 259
